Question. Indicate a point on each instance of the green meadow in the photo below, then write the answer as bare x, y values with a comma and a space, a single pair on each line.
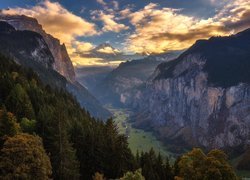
138, 139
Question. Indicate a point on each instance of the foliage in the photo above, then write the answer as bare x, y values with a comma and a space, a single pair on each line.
154, 166
19, 102
8, 124
98, 176
197, 165
133, 175
27, 125
23, 157
104, 149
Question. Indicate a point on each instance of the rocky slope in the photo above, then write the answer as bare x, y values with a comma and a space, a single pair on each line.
202, 97
63, 64
29, 49
124, 81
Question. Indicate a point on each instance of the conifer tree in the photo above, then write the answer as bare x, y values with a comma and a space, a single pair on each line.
63, 156
19, 103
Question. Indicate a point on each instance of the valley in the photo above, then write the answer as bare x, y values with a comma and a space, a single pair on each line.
138, 139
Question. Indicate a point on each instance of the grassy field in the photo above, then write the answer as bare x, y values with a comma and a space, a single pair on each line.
138, 139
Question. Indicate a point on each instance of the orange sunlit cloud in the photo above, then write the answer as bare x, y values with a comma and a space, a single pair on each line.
162, 29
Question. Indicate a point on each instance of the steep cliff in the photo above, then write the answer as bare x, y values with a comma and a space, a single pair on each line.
202, 97
30, 50
62, 64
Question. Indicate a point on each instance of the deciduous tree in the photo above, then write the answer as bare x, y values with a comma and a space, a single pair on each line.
23, 157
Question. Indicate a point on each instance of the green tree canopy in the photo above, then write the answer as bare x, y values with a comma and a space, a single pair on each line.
133, 175
28, 126
19, 103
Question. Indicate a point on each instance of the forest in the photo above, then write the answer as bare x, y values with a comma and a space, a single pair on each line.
45, 134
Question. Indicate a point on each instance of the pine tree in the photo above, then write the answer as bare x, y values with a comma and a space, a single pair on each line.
63, 155
19, 103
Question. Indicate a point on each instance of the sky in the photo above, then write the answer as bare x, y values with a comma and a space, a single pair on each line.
132, 26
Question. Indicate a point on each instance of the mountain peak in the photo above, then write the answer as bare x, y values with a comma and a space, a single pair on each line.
106, 48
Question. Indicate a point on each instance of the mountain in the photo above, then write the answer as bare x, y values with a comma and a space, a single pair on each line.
124, 80
62, 64
202, 97
107, 49
29, 49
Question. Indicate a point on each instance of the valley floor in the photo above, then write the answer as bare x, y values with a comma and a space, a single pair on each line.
138, 139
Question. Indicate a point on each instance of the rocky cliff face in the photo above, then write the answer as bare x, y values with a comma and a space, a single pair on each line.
62, 64
203, 97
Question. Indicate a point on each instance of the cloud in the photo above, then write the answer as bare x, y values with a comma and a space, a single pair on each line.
235, 15
116, 5
108, 20
158, 30
82, 10
101, 2
57, 20
83, 46
103, 54
88, 60
125, 12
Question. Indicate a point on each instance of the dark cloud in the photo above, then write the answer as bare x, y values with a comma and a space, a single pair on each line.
241, 24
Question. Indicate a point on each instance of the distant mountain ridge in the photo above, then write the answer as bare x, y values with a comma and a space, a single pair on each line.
119, 85
202, 97
89, 77
29, 49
